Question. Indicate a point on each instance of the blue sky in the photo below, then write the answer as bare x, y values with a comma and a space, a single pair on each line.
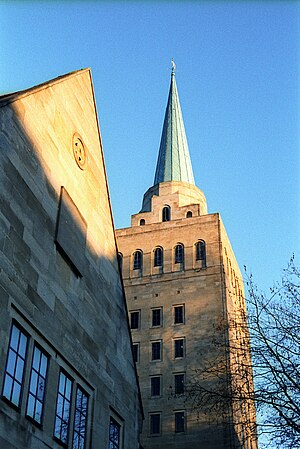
238, 81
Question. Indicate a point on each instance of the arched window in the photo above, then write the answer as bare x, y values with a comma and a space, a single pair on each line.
142, 222
158, 257
201, 252
120, 261
178, 253
189, 214
137, 260
166, 213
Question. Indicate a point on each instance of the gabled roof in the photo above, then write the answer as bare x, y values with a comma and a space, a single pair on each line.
174, 163
10, 97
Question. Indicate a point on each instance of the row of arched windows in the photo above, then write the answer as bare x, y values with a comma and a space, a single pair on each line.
166, 215
158, 256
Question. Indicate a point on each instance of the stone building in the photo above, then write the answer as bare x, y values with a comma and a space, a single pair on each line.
183, 286
68, 377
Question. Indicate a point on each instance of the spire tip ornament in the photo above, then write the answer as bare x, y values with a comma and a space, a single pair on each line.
173, 66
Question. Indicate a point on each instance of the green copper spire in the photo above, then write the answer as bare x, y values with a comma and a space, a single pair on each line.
174, 163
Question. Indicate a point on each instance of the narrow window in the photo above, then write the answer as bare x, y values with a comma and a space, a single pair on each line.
166, 213
137, 260
63, 404
178, 314
158, 257
156, 317
134, 320
155, 424
14, 373
179, 422
156, 350
179, 383
201, 252
189, 214
179, 348
80, 420
136, 351
37, 385
120, 261
155, 386
142, 222
178, 253
114, 434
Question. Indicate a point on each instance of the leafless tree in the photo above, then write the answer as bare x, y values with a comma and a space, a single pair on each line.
225, 381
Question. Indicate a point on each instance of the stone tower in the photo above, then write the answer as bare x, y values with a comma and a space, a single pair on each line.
182, 284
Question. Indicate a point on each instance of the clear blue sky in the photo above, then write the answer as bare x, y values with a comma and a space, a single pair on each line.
238, 81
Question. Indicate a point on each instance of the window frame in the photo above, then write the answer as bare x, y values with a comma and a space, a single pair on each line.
151, 415
137, 263
154, 309
182, 428
152, 386
182, 383
181, 348
176, 307
137, 324
79, 433
21, 330
29, 393
153, 350
59, 439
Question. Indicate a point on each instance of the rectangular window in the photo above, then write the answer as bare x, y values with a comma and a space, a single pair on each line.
155, 386
179, 422
80, 420
37, 385
156, 317
156, 350
114, 434
63, 404
179, 383
134, 320
178, 314
179, 348
136, 352
14, 373
155, 424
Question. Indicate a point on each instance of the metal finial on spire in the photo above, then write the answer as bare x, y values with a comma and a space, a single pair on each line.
173, 66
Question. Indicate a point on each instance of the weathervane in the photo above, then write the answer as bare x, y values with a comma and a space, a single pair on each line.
173, 66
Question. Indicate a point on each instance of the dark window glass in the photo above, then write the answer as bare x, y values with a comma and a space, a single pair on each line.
137, 260
80, 420
156, 317
178, 314
155, 424
155, 386
178, 254
189, 214
114, 434
120, 261
15, 364
201, 252
142, 222
179, 422
156, 350
166, 213
179, 347
179, 383
63, 404
37, 385
134, 320
135, 347
158, 257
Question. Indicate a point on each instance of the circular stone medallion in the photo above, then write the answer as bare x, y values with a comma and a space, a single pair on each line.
79, 151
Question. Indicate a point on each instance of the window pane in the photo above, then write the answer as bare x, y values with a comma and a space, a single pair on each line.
179, 383
22, 345
15, 333
155, 386
38, 411
16, 393
135, 352
155, 424
179, 348
178, 314
7, 387
156, 351
179, 422
30, 406
44, 364
63, 408
11, 363
134, 320
19, 369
